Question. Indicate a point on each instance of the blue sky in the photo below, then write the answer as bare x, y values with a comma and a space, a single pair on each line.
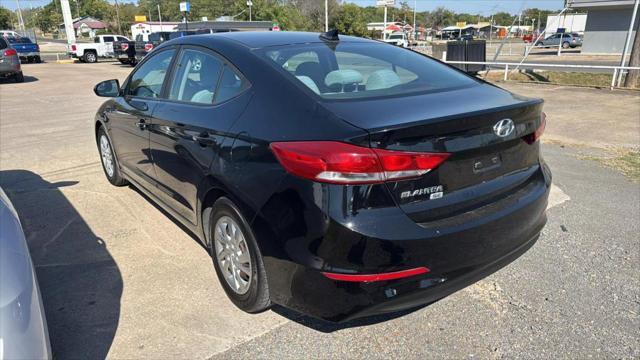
482, 7
468, 6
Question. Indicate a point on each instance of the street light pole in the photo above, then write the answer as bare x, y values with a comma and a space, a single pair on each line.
385, 22
326, 15
415, 31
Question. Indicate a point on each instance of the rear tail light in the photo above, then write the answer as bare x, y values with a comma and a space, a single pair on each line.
148, 47
124, 46
341, 163
73, 47
376, 277
535, 136
10, 52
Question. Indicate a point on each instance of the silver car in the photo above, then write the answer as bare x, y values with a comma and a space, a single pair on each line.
9, 62
23, 327
569, 40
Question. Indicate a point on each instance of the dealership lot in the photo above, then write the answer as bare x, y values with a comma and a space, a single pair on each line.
120, 279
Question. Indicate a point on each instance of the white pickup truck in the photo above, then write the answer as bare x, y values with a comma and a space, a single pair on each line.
102, 47
398, 39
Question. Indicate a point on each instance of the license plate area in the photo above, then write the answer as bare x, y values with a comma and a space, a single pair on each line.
487, 163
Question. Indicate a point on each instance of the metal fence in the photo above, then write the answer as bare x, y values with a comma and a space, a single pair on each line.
514, 66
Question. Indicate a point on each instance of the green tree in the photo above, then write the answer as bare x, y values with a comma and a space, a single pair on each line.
6, 18
350, 20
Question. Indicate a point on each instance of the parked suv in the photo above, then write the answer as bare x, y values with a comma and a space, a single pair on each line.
9, 62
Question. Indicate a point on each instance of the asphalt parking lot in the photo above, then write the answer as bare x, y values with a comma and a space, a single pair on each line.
121, 279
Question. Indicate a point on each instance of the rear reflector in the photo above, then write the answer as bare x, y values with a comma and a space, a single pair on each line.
376, 277
10, 52
535, 136
341, 163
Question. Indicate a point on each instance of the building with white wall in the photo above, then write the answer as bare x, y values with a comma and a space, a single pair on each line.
570, 22
148, 27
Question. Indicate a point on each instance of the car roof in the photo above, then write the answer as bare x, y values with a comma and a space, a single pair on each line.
260, 39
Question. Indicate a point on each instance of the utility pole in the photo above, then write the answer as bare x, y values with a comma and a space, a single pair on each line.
77, 8
634, 61
250, 4
326, 15
628, 41
118, 17
20, 19
385, 22
160, 17
415, 30
68, 22
491, 29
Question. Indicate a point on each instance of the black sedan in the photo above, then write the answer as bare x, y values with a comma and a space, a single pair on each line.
337, 176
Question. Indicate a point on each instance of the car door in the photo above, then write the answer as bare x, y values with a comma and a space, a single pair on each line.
205, 96
130, 117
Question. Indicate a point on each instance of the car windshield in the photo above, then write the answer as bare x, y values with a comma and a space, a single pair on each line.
363, 70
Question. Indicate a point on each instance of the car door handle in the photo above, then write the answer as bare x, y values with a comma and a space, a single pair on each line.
141, 124
204, 139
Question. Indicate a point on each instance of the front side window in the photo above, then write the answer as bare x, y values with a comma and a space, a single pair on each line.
357, 70
196, 77
148, 79
108, 39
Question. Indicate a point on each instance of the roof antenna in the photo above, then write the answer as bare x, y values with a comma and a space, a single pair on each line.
331, 35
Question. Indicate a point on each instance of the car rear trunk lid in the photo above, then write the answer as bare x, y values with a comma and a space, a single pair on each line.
484, 166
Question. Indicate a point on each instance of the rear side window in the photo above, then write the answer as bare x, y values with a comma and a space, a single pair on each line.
3, 44
363, 70
108, 39
196, 77
231, 85
148, 79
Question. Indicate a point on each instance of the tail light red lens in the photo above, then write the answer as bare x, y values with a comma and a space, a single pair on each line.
74, 47
376, 277
10, 52
124, 46
341, 163
148, 47
535, 136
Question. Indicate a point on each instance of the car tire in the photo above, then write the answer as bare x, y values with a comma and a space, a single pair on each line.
122, 61
38, 59
108, 159
18, 77
237, 258
90, 57
566, 45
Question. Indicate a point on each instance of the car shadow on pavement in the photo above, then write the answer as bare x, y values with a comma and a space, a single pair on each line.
329, 327
27, 79
80, 282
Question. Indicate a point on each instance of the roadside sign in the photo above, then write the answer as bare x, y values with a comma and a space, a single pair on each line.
140, 18
380, 3
185, 6
461, 24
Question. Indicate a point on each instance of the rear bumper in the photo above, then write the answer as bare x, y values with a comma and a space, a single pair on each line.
8, 68
29, 54
370, 242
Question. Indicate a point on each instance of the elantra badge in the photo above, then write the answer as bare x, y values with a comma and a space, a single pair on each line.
434, 192
504, 127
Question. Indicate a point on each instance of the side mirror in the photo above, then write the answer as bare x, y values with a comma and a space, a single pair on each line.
107, 88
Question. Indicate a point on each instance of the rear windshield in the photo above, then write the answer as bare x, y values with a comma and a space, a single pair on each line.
23, 40
357, 70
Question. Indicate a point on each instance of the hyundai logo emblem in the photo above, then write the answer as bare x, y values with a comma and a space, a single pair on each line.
504, 127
